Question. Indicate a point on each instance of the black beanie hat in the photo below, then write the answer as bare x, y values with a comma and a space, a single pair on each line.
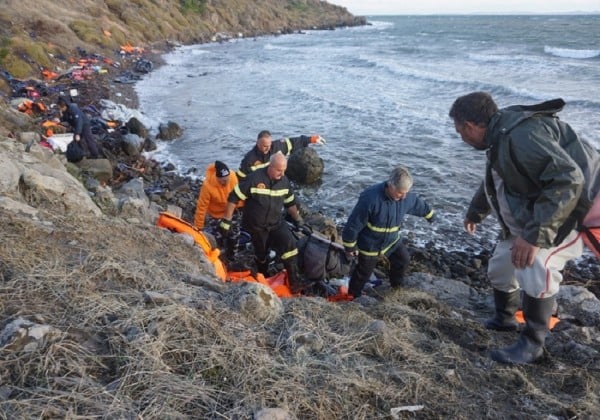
63, 100
221, 168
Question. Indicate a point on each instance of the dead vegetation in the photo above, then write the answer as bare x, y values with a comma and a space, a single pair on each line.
115, 353
34, 31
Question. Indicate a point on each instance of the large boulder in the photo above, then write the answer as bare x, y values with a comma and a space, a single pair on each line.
305, 166
132, 144
100, 169
39, 179
135, 126
169, 131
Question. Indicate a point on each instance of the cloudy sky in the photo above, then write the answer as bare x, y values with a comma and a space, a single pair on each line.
373, 7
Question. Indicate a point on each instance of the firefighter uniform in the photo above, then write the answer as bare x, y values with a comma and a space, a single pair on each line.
373, 229
262, 217
255, 159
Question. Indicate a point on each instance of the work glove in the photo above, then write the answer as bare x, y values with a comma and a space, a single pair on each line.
298, 223
224, 227
431, 218
316, 139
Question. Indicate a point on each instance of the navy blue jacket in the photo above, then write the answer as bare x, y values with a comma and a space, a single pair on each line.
375, 222
76, 119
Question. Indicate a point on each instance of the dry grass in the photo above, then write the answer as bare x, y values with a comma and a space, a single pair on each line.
115, 355
43, 26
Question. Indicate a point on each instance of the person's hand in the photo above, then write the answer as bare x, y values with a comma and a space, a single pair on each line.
432, 218
298, 223
316, 139
224, 227
77, 137
470, 227
523, 253
351, 251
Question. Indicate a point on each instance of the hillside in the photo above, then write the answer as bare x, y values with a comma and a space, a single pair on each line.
111, 317
33, 33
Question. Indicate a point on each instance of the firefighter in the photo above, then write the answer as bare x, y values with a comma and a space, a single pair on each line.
265, 192
373, 228
265, 147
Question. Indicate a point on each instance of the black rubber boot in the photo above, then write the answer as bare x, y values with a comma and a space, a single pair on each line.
296, 283
530, 345
262, 267
506, 306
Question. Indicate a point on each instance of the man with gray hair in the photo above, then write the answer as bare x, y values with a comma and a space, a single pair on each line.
373, 228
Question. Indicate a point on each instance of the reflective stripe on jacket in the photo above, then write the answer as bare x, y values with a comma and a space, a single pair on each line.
255, 159
264, 199
375, 222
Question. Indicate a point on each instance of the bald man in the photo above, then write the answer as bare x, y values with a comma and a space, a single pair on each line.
265, 192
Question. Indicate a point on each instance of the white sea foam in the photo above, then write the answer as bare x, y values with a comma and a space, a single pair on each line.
571, 53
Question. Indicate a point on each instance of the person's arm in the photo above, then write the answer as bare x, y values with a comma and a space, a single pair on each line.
294, 213
77, 120
479, 208
356, 222
245, 166
421, 208
201, 206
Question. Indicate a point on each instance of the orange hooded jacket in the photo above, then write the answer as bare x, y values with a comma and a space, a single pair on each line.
213, 196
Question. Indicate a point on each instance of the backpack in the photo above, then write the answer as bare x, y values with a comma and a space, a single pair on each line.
74, 152
320, 258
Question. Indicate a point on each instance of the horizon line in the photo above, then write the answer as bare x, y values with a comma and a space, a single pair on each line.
597, 12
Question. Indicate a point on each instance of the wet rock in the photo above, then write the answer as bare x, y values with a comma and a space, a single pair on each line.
149, 145
135, 126
132, 144
305, 166
169, 131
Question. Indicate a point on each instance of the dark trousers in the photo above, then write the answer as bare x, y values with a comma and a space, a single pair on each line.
399, 259
88, 142
281, 240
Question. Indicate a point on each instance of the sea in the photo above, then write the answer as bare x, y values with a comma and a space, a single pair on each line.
379, 94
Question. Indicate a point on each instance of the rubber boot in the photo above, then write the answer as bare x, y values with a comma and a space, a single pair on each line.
506, 305
530, 345
262, 267
295, 282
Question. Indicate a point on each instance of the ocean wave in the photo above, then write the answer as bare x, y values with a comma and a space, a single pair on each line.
571, 53
268, 46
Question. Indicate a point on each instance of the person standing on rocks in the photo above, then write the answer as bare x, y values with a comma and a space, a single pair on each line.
80, 124
540, 181
212, 201
265, 147
265, 192
373, 228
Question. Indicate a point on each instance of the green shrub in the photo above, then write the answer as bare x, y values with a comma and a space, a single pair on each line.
193, 6
90, 33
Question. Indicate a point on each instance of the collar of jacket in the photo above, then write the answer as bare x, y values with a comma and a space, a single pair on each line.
508, 118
